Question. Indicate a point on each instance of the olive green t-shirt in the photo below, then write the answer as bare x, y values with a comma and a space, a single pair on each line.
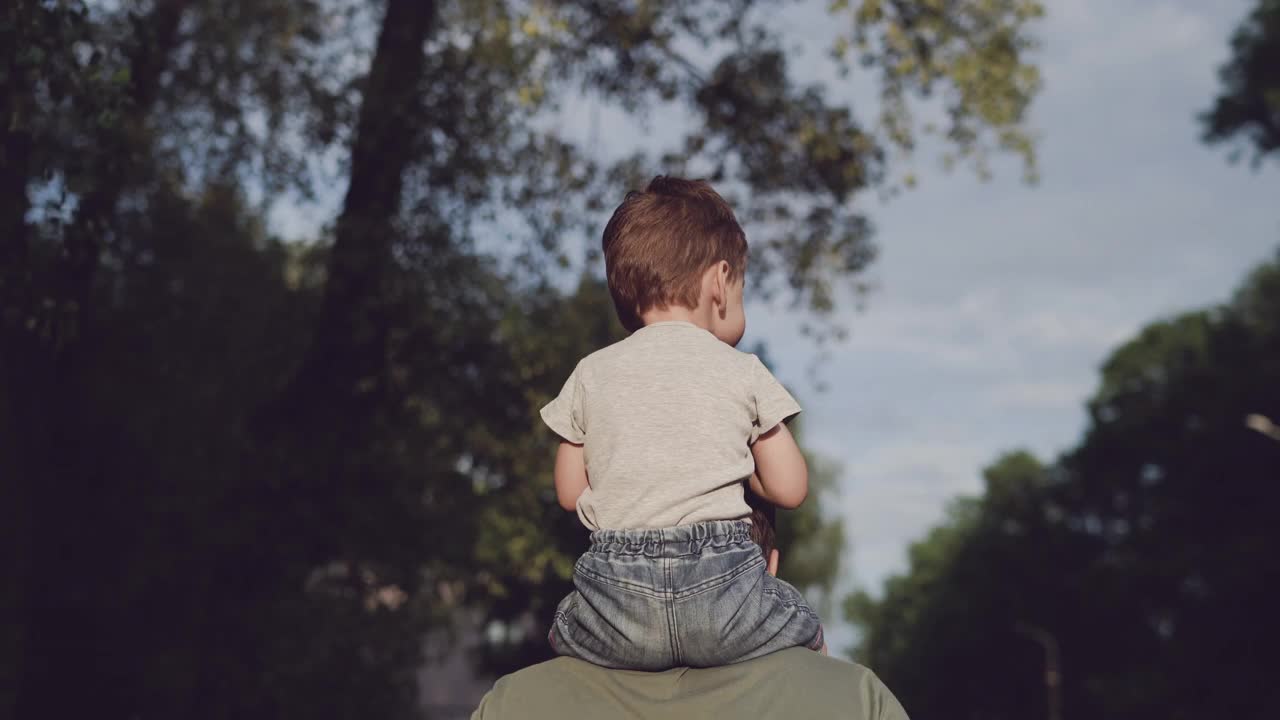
794, 684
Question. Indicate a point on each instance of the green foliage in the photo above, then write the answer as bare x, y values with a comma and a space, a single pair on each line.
1140, 562
789, 159
811, 538
974, 54
245, 477
1248, 108
1142, 552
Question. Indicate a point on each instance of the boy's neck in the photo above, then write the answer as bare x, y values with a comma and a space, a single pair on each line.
678, 313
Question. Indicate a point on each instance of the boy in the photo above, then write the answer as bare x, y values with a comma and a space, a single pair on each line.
659, 434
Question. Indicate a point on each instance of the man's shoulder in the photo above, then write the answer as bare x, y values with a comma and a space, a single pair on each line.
786, 682
532, 691
557, 670
797, 660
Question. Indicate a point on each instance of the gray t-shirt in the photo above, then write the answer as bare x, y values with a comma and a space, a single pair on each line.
666, 418
795, 683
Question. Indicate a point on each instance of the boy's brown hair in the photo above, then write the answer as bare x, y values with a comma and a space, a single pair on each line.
660, 241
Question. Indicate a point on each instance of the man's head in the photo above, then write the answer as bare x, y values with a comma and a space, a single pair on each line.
676, 244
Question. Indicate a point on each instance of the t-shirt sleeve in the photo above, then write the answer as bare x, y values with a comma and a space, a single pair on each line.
492, 704
770, 403
564, 414
879, 700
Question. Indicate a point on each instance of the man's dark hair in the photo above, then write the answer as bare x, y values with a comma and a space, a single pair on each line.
764, 517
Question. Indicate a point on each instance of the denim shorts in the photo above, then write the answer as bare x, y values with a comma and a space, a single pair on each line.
694, 595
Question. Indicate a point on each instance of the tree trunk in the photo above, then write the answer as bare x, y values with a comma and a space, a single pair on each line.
351, 333
308, 434
306, 445
21, 418
14, 496
95, 213
43, 398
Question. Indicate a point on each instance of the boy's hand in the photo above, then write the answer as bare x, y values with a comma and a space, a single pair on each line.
781, 476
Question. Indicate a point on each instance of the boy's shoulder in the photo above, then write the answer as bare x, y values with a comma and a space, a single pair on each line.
682, 341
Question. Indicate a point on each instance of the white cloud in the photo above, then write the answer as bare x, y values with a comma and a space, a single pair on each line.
1063, 396
893, 493
998, 302
1104, 36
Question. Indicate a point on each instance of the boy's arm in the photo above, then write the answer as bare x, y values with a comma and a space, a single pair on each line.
781, 475
570, 474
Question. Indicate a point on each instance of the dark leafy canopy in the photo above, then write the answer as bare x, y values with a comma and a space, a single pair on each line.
1248, 108
1139, 564
1148, 552
944, 635
243, 477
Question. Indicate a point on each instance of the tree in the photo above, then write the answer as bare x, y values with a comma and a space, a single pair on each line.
242, 467
811, 539
1248, 108
1143, 555
1142, 552
947, 635
1175, 482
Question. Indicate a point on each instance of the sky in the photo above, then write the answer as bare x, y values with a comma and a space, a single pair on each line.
996, 302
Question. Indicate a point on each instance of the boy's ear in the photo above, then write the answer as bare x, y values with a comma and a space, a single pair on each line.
716, 289
720, 282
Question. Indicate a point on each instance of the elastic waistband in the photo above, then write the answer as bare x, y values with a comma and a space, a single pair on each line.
672, 541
